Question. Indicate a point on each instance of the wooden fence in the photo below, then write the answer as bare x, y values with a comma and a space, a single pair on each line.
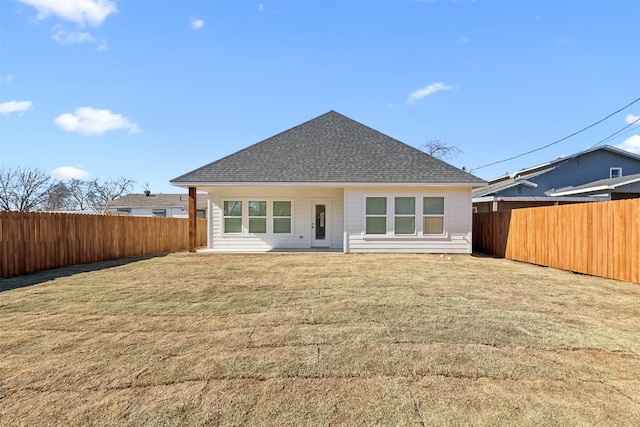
601, 239
31, 242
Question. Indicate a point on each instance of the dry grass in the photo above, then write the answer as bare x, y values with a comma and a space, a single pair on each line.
319, 339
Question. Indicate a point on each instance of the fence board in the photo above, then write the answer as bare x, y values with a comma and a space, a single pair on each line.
31, 242
601, 239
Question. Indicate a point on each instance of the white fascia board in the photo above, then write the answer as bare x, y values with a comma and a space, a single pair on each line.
483, 199
583, 190
326, 184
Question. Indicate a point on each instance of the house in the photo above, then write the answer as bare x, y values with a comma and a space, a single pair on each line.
334, 183
162, 205
597, 174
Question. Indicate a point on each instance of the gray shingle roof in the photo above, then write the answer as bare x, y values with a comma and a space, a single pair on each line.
331, 148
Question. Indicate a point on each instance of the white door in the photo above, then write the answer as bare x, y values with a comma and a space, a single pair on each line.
320, 224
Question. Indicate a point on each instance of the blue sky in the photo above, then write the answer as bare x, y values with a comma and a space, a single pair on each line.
153, 89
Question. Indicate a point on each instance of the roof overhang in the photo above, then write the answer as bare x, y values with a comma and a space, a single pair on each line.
328, 184
582, 190
487, 199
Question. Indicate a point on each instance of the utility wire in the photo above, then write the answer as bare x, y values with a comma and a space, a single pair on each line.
559, 140
615, 133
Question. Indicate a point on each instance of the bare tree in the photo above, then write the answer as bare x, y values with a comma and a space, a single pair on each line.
440, 149
23, 189
58, 198
79, 194
102, 194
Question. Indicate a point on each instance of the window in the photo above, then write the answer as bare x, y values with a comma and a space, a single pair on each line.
257, 217
433, 215
282, 217
233, 216
159, 212
615, 172
376, 215
405, 215
124, 210
250, 217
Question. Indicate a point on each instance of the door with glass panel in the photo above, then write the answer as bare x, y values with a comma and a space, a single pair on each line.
320, 224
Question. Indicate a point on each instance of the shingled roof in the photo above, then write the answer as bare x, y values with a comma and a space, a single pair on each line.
331, 148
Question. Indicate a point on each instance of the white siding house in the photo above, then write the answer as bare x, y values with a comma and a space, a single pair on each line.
159, 205
334, 183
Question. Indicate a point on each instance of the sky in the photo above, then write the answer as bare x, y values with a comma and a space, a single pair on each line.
152, 89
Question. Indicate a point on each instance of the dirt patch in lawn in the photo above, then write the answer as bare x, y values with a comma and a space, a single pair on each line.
320, 339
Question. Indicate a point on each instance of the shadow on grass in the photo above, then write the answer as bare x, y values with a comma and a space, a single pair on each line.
47, 275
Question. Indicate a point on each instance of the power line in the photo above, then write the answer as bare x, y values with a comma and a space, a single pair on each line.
615, 133
561, 139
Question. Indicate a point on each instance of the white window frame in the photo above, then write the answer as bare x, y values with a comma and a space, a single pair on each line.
617, 169
419, 233
385, 216
245, 216
443, 215
401, 215
271, 221
242, 216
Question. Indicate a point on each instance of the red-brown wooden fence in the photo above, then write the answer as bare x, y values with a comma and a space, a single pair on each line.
601, 239
32, 241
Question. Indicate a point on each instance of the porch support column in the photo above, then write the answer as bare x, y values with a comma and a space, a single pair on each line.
193, 221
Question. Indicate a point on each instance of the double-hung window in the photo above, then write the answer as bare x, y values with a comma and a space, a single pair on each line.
282, 217
376, 215
233, 216
405, 215
433, 215
257, 216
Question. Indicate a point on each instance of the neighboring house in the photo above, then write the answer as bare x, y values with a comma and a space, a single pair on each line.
334, 183
596, 174
162, 205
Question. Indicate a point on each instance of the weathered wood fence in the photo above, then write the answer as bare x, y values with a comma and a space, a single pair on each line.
601, 239
31, 242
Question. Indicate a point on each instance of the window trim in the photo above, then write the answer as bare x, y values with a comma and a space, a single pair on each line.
442, 215
618, 169
385, 215
274, 217
403, 215
419, 233
245, 216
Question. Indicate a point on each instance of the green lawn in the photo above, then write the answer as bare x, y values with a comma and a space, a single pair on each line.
318, 339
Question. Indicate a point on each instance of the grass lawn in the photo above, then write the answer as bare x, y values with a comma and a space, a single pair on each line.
318, 339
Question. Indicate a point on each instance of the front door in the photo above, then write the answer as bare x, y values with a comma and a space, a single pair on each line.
320, 225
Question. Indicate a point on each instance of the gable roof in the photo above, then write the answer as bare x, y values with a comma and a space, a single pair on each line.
507, 181
156, 201
331, 148
548, 165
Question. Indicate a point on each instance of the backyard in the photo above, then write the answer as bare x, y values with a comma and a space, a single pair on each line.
318, 339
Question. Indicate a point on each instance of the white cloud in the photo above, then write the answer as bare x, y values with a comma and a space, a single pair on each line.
14, 106
90, 121
63, 36
7, 78
631, 144
91, 12
68, 172
260, 7
426, 91
66, 37
197, 24
631, 118
463, 40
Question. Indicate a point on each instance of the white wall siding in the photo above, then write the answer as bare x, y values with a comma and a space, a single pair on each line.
457, 214
300, 237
